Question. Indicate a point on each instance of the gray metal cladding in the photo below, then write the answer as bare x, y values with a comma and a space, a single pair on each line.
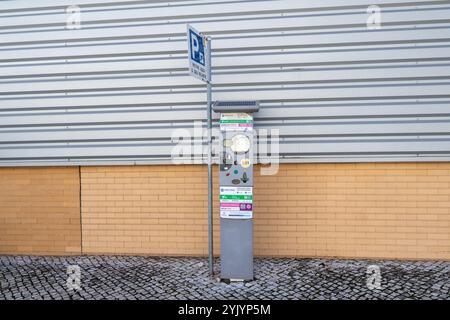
115, 90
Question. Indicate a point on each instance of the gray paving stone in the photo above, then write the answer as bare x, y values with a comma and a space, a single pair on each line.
125, 277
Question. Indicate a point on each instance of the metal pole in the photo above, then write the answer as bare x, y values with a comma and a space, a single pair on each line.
210, 176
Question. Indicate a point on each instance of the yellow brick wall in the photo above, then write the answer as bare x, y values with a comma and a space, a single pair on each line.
145, 210
383, 210
40, 211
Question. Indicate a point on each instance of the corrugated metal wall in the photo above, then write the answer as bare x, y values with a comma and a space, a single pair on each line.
116, 89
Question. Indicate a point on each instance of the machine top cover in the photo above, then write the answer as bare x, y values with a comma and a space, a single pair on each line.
236, 106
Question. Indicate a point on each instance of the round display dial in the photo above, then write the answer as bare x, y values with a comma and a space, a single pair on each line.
240, 143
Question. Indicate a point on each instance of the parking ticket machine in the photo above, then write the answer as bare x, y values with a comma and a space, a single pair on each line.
236, 188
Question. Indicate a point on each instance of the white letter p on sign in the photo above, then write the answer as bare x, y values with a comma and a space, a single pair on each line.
195, 46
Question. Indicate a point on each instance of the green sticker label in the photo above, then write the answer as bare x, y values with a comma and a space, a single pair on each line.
235, 197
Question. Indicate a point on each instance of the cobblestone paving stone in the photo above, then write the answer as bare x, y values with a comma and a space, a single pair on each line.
125, 277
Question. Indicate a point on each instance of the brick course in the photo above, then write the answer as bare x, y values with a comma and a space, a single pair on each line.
367, 210
40, 211
382, 210
156, 210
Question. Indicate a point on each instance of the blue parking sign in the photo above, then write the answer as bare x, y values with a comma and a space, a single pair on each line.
197, 49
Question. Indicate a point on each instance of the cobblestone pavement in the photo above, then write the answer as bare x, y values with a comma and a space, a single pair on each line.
121, 277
